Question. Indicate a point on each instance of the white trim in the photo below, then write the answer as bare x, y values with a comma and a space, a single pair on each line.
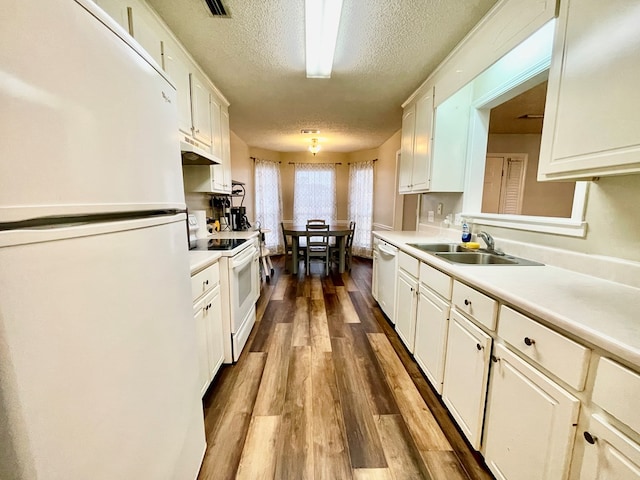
557, 226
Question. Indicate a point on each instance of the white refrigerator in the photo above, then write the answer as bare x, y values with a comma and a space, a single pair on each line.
98, 366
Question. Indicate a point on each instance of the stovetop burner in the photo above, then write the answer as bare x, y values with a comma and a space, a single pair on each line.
216, 243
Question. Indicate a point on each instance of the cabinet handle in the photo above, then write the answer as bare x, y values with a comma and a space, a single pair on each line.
467, 301
166, 97
494, 359
529, 341
479, 347
590, 438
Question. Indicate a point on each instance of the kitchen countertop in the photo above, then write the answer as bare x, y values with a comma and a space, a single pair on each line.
600, 312
200, 259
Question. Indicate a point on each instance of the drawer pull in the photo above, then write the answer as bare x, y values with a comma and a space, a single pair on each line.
529, 341
467, 302
590, 438
494, 359
479, 347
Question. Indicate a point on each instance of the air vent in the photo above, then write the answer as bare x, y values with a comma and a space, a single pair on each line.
217, 8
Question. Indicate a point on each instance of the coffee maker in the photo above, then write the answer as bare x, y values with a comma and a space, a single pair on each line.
238, 219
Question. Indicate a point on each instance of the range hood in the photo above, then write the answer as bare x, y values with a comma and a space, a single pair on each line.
192, 155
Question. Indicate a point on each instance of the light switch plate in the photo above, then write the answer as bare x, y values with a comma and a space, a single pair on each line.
430, 216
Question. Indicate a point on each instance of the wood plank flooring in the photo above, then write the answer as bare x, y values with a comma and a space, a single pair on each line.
326, 390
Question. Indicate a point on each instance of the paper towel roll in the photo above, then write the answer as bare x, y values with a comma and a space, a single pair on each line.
201, 217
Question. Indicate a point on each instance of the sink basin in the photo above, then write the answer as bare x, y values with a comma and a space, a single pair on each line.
438, 247
483, 258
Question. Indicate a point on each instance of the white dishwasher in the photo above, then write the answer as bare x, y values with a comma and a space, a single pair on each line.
385, 283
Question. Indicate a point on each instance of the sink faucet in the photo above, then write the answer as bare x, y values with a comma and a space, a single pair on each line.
488, 239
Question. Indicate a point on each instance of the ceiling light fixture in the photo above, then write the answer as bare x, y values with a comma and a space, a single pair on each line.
314, 147
322, 18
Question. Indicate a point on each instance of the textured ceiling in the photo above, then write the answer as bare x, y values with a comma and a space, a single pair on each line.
385, 50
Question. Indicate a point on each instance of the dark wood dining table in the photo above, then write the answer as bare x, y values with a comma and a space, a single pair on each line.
340, 232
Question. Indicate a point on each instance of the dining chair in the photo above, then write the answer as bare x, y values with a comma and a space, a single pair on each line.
288, 250
318, 246
348, 242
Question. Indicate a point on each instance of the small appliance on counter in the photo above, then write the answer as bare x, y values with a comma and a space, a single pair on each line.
239, 221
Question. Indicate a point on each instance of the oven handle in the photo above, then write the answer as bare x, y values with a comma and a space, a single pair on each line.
243, 258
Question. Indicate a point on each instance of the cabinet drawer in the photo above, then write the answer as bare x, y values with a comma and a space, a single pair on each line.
616, 389
474, 304
553, 351
205, 280
439, 282
409, 264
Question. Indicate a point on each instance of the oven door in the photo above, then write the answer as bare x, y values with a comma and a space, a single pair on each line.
244, 284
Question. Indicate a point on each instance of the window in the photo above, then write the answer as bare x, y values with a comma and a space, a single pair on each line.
314, 192
269, 203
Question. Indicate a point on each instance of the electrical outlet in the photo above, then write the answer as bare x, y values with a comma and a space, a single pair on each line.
430, 216
439, 209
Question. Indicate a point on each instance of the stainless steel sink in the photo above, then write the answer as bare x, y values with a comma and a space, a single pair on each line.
438, 247
483, 258
456, 253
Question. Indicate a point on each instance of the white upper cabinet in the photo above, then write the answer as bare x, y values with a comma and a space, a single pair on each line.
117, 10
177, 67
200, 109
406, 149
592, 126
433, 158
417, 133
147, 30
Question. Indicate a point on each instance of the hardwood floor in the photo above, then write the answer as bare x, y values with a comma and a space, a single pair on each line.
326, 390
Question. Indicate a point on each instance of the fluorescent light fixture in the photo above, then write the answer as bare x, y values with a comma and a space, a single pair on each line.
322, 19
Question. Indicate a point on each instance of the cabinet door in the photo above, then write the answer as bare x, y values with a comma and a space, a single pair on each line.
591, 126
225, 167
407, 300
609, 455
465, 375
216, 129
177, 67
147, 32
432, 321
203, 352
530, 422
421, 172
116, 9
200, 110
215, 345
406, 150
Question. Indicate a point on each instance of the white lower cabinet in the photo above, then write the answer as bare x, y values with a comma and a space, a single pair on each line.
465, 375
432, 322
207, 315
407, 299
530, 422
608, 453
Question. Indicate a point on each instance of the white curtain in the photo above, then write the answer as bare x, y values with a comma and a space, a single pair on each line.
314, 192
361, 206
269, 203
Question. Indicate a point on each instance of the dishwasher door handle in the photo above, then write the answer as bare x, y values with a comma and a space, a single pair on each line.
391, 253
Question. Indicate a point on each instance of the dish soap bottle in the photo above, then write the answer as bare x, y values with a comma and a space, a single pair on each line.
466, 234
